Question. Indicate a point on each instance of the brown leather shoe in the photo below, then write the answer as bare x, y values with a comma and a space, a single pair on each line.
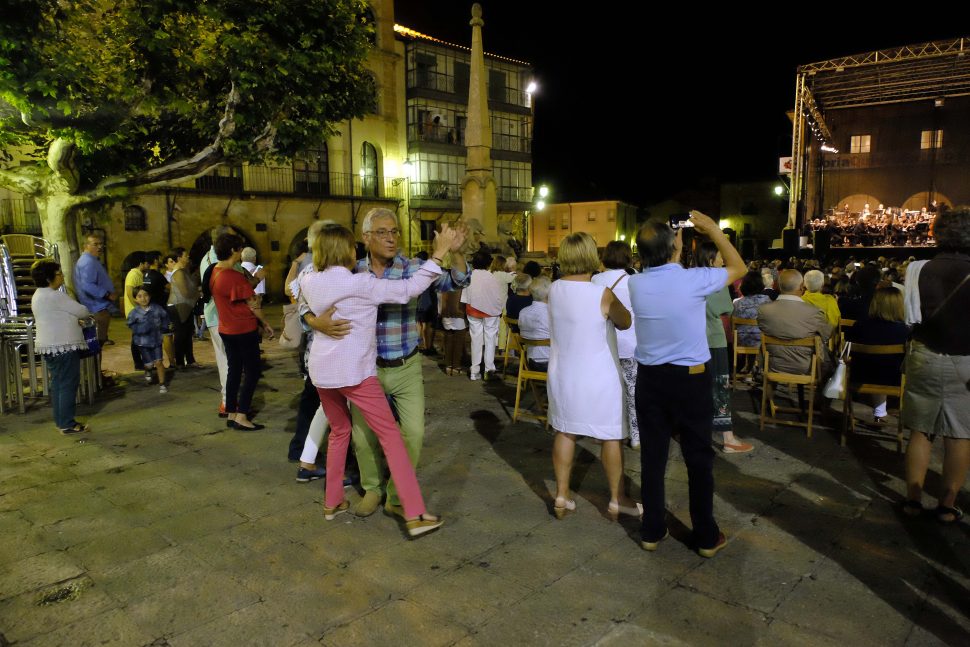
369, 504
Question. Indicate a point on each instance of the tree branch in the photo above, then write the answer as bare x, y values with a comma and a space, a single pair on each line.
199, 164
25, 179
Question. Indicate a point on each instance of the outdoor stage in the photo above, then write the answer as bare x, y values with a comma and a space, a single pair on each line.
842, 255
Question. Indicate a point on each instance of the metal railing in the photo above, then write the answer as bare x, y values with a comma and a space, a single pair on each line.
831, 161
435, 190
283, 179
19, 216
515, 194
428, 79
513, 143
437, 134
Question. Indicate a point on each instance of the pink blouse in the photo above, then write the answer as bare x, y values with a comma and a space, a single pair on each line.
348, 361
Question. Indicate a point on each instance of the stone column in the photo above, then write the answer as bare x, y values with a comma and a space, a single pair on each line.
478, 190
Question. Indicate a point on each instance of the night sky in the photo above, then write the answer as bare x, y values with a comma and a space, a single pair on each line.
639, 108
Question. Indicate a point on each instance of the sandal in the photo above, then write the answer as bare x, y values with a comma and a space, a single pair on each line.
78, 428
422, 525
563, 506
955, 514
912, 508
615, 510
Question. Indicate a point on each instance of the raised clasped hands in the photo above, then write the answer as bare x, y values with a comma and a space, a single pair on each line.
448, 239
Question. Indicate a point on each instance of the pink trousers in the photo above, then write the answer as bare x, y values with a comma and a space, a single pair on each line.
369, 397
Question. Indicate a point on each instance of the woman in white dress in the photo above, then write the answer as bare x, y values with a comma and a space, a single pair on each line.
585, 379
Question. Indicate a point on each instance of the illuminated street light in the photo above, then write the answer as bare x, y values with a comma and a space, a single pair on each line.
540, 205
532, 87
779, 189
407, 167
723, 224
543, 191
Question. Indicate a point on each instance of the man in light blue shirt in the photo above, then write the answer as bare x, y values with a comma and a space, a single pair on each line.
674, 388
93, 286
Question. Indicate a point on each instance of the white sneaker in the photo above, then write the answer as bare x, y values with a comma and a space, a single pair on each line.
163, 389
474, 377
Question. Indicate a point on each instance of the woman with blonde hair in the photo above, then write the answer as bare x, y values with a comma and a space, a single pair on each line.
585, 378
344, 370
883, 326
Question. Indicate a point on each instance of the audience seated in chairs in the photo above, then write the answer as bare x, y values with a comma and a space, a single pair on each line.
814, 282
883, 327
791, 318
862, 285
534, 323
752, 298
520, 297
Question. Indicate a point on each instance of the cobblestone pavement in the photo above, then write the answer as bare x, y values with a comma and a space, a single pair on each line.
162, 527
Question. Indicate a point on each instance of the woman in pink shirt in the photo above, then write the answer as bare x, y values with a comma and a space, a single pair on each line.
345, 370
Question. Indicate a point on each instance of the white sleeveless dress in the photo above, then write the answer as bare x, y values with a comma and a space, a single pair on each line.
585, 380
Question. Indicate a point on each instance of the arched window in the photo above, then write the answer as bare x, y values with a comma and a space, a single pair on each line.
311, 171
368, 170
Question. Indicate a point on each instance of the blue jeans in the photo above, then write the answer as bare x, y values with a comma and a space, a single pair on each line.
65, 374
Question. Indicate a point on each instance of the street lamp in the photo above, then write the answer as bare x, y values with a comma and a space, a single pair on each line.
543, 191
779, 189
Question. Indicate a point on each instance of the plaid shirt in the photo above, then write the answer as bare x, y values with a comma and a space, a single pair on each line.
397, 325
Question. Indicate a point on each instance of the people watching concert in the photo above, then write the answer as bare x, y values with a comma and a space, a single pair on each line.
534, 323
791, 318
585, 381
883, 325
814, 282
937, 398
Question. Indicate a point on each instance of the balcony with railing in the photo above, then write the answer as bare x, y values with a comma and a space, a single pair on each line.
438, 190
839, 161
516, 194
277, 180
436, 134
19, 216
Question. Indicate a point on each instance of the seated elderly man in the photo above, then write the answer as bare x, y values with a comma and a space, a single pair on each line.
789, 317
814, 280
534, 323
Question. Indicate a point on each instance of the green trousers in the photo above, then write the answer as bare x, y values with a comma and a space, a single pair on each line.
405, 384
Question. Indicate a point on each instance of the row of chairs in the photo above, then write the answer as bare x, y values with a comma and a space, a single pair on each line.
808, 384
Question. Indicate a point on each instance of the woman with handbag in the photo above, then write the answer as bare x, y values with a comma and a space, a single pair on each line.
937, 398
60, 340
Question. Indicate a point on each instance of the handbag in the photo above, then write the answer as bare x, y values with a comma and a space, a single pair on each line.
91, 338
291, 335
835, 387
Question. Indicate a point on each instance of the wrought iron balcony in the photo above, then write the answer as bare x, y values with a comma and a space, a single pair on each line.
435, 190
277, 180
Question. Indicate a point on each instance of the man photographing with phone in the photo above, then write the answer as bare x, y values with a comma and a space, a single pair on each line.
674, 389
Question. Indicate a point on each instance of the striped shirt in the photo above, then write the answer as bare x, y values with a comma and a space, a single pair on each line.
397, 325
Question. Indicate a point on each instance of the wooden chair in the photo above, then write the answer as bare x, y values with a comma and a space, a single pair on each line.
511, 342
530, 377
848, 418
843, 324
738, 349
807, 381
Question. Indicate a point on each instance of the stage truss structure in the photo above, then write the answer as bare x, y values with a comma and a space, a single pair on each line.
925, 71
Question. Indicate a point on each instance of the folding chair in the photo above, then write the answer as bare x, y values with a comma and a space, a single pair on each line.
738, 349
808, 381
511, 342
530, 377
843, 324
848, 417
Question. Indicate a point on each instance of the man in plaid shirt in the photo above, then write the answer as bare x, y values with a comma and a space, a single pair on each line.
398, 360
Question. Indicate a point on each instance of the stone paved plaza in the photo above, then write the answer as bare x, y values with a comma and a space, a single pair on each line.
162, 527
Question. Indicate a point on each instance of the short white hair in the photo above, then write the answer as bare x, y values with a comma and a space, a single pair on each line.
814, 280
248, 255
377, 212
540, 288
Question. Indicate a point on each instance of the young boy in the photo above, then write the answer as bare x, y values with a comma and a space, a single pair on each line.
148, 321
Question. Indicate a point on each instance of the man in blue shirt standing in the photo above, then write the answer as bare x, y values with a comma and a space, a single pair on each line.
93, 286
674, 389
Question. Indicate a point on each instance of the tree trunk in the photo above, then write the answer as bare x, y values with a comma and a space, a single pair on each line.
57, 221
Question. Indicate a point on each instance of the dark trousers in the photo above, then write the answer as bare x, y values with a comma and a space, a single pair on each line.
242, 358
65, 375
183, 338
309, 403
672, 401
136, 357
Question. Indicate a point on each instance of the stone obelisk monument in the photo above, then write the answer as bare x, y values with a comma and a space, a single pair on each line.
478, 199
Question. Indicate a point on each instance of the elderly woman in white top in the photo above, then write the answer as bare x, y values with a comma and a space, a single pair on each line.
616, 258
59, 338
345, 370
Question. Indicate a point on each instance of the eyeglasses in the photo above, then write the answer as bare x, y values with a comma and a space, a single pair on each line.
385, 233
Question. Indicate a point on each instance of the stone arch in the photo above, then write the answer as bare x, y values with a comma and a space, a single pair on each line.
857, 201
203, 242
922, 199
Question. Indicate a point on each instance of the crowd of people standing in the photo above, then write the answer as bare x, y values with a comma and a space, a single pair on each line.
637, 357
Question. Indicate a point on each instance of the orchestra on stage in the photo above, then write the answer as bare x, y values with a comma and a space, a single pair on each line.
884, 226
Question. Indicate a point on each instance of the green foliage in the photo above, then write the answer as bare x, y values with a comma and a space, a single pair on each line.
141, 83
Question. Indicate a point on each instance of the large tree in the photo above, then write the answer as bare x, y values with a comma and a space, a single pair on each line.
102, 99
